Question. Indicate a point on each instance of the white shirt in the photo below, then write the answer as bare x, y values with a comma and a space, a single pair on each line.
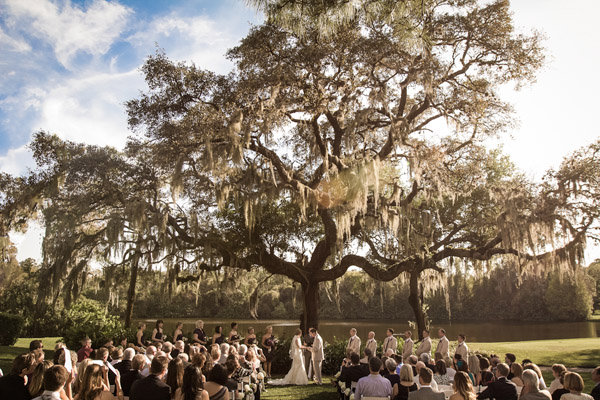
432, 385
48, 395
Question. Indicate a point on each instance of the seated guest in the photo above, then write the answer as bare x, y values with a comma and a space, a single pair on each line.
167, 348
574, 384
252, 360
116, 356
557, 369
451, 367
531, 389
138, 363
538, 372
390, 366
440, 376
57, 381
486, 375
231, 365
556, 395
94, 384
516, 371
179, 348
36, 382
35, 344
399, 362
367, 356
373, 385
510, 359
12, 385
80, 372
192, 386
353, 372
426, 358
412, 361
463, 389
475, 368
502, 388
596, 378
224, 353
86, 349
216, 384
407, 383
174, 374
152, 387
420, 367
125, 365
426, 392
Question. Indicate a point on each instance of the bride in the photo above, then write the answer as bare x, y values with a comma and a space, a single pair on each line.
297, 374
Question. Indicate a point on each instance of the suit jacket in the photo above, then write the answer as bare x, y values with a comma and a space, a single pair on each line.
502, 389
123, 367
150, 388
596, 392
317, 349
426, 393
371, 345
463, 350
407, 349
127, 380
354, 344
443, 347
424, 346
390, 342
352, 374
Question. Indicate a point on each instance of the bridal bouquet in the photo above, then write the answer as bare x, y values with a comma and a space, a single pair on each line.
347, 392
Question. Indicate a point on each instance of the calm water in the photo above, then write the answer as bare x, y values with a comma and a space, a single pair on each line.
502, 331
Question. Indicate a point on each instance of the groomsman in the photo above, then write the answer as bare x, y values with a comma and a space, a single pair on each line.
425, 345
390, 342
462, 348
371, 345
353, 342
407, 349
443, 346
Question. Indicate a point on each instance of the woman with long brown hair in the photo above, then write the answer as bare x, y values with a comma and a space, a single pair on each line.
95, 386
463, 388
36, 384
175, 375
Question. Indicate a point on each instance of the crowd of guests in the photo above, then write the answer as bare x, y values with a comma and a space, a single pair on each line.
199, 368
411, 373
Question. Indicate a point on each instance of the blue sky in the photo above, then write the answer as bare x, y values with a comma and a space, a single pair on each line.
68, 66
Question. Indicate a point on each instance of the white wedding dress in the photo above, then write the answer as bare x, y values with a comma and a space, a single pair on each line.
297, 374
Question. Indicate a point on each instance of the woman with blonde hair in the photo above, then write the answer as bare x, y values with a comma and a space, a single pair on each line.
475, 368
80, 372
36, 383
407, 382
463, 388
95, 386
517, 371
574, 384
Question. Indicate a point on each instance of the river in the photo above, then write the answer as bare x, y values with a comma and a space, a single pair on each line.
495, 331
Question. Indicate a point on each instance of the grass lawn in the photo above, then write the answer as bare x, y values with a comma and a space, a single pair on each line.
8, 353
310, 392
570, 352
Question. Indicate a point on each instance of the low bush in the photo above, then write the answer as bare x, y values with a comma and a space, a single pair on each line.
12, 325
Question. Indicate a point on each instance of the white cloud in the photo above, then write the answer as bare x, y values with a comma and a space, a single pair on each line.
16, 161
13, 43
69, 28
29, 244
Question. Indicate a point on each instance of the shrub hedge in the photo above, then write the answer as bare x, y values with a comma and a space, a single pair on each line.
12, 325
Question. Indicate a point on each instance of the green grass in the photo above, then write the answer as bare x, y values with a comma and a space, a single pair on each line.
570, 352
310, 392
8, 353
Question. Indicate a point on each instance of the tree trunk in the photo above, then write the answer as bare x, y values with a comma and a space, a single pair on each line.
131, 293
416, 302
310, 315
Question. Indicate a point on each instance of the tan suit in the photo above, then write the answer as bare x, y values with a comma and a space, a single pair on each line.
390, 342
463, 350
371, 345
354, 344
407, 349
424, 347
443, 347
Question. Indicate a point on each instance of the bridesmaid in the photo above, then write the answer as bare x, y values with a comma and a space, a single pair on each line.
178, 334
199, 335
157, 333
268, 343
234, 336
250, 338
140, 335
218, 335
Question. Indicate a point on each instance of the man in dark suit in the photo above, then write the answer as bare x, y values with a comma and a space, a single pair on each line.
134, 374
596, 378
151, 387
353, 372
502, 388
426, 392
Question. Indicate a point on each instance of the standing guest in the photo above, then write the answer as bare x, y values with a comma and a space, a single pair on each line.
36, 383
502, 388
517, 374
95, 384
216, 384
353, 343
574, 384
531, 389
462, 348
174, 375
596, 378
371, 345
152, 387
268, 344
557, 370
139, 336
443, 347
426, 392
407, 383
86, 349
390, 375
463, 389
12, 385
559, 392
57, 381
178, 333
234, 336
138, 363
390, 342
373, 385
250, 338
510, 359
486, 375
192, 387
407, 349
425, 345
158, 334
199, 336
441, 376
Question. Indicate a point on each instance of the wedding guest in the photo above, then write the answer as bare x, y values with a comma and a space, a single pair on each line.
174, 375
557, 369
451, 367
596, 379
353, 342
425, 345
390, 342
216, 383
464, 367
158, 334
574, 384
531, 389
235, 371
138, 363
252, 360
35, 345
12, 385
95, 385
86, 349
443, 346
178, 348
501, 388
475, 368
224, 353
139, 336
57, 383
538, 372
371, 345
559, 392
390, 375
407, 348
407, 383
486, 376
199, 336
426, 358
420, 367
373, 385
80, 372
353, 371
462, 348
152, 387
116, 356
192, 387
250, 338
517, 373
178, 333
36, 382
234, 336
463, 389
426, 391
440, 376
510, 359
268, 344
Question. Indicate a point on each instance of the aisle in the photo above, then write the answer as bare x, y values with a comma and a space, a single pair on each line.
310, 392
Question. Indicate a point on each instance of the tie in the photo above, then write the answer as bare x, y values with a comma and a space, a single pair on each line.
350, 343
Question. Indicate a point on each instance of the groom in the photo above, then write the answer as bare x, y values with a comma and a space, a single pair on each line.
317, 354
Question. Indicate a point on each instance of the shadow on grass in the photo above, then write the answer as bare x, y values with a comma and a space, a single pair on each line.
585, 359
8, 354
